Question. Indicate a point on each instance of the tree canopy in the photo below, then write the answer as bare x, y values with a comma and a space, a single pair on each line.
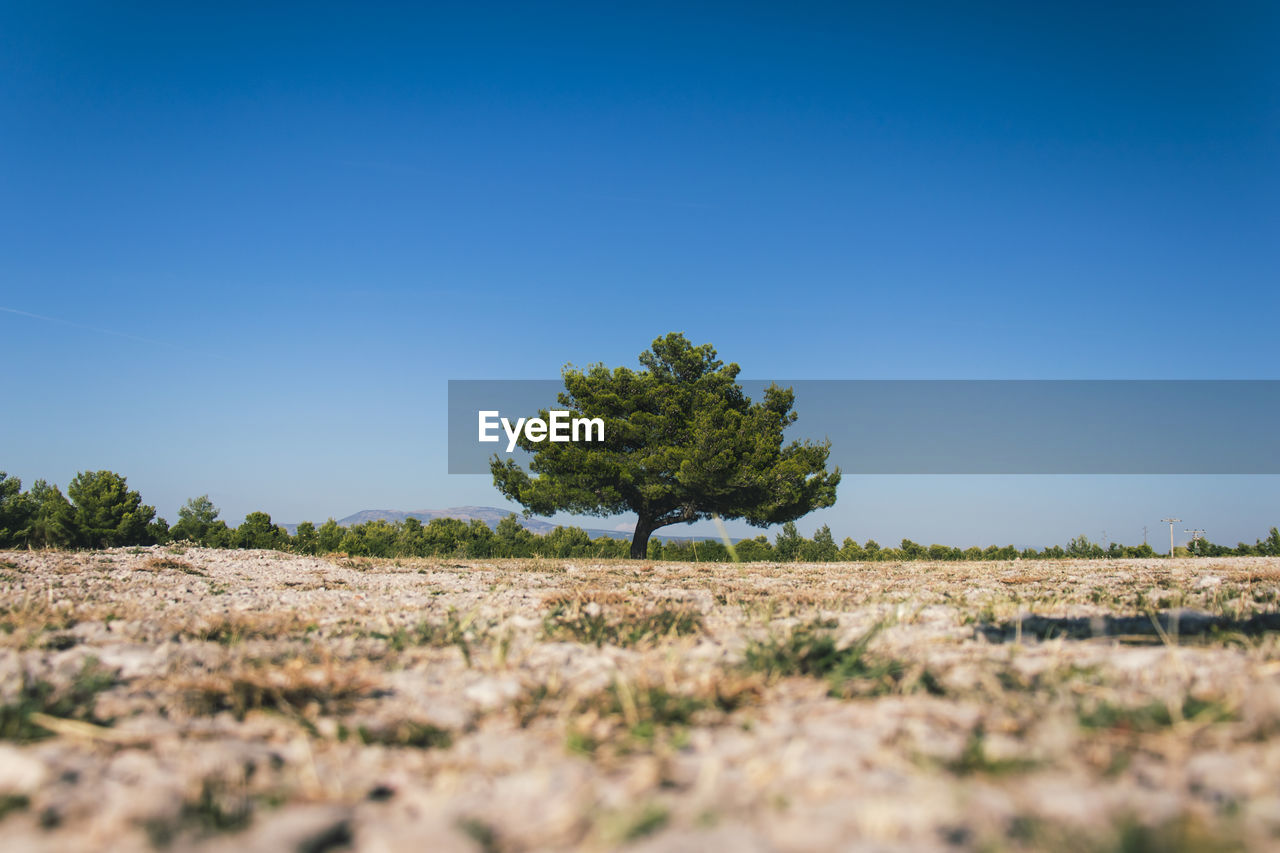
195, 519
107, 512
682, 442
15, 510
52, 522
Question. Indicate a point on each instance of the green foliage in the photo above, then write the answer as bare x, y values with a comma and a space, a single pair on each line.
564, 542
52, 521
1182, 834
694, 551
219, 536
1082, 548
103, 512
15, 511
328, 537
158, 532
787, 546
377, 538
453, 631
13, 803
196, 521
407, 733
257, 531
304, 538
1269, 547
973, 759
807, 650
822, 548
579, 622
411, 538
912, 550
511, 539
757, 550
107, 513
451, 537
218, 809
943, 553
75, 701
446, 536
851, 551
647, 821
480, 539
681, 443
811, 650
259, 687
641, 714
483, 834
1154, 715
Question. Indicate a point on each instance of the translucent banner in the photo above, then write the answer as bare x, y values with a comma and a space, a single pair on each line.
880, 426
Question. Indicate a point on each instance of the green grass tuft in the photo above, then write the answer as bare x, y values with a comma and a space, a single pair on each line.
407, 733
574, 622
74, 702
13, 803
1152, 716
811, 650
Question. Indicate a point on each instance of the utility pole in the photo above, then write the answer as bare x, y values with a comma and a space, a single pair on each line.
1196, 536
1171, 522
1144, 534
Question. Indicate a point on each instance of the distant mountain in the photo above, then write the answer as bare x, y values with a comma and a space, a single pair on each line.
490, 515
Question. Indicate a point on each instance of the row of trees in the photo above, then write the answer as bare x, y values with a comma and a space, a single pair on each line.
100, 511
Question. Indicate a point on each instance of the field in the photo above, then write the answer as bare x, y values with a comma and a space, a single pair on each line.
172, 698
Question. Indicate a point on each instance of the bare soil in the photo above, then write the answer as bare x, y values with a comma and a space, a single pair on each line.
184, 698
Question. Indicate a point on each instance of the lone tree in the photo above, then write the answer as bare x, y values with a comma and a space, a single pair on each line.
681, 443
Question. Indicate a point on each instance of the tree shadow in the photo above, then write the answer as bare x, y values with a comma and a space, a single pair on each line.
1166, 626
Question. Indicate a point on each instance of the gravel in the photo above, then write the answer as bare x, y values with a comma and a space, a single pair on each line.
196, 699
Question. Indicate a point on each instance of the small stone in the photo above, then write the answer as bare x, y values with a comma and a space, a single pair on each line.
20, 772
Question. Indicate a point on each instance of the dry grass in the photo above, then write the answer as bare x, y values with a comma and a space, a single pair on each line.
1015, 580
230, 629
637, 715
851, 670
168, 564
297, 688
551, 704
20, 715
585, 619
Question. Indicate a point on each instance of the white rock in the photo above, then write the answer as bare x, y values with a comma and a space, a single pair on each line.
493, 692
20, 772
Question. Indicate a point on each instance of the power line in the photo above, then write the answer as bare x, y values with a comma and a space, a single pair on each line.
1196, 536
1171, 522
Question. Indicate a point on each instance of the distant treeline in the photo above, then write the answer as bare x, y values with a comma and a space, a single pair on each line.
100, 511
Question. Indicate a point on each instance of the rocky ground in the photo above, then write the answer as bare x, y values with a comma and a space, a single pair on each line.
175, 698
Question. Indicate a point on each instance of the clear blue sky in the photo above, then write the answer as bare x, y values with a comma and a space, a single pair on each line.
267, 234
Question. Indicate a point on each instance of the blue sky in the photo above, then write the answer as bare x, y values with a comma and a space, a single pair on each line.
265, 240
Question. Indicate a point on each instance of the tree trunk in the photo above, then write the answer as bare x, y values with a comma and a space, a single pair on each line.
640, 541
